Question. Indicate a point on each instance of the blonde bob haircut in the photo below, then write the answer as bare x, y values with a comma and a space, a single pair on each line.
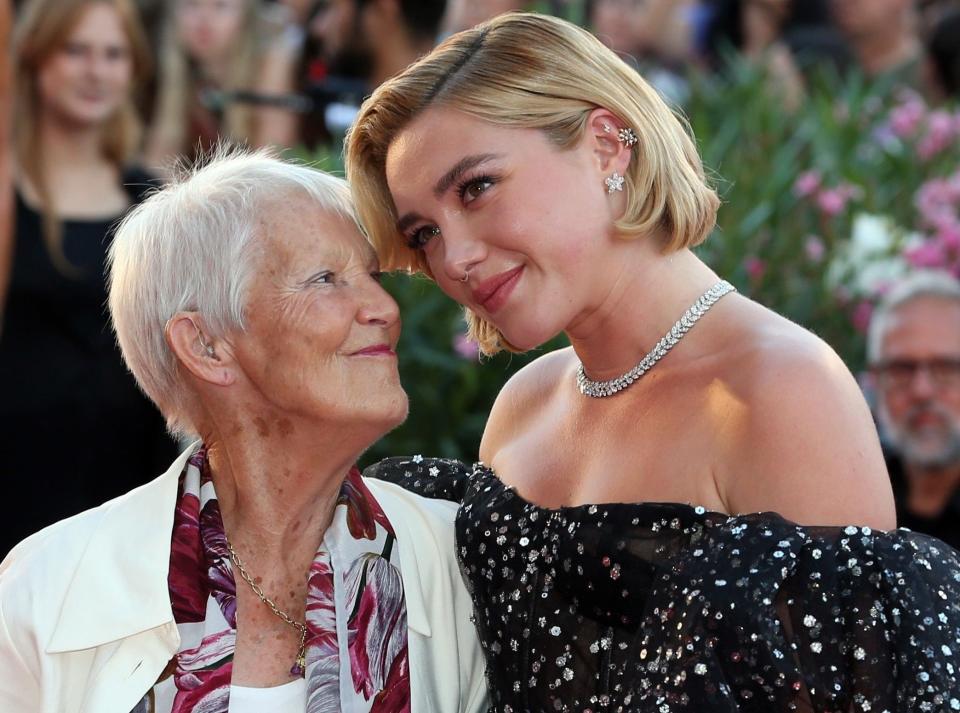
524, 70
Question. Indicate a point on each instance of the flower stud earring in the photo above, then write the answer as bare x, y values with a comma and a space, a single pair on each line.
627, 137
614, 182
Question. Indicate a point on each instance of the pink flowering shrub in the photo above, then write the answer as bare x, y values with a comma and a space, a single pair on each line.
825, 207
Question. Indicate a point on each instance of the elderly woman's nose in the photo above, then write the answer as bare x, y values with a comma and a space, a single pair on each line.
379, 307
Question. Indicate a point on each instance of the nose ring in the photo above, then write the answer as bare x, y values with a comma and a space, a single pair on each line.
466, 275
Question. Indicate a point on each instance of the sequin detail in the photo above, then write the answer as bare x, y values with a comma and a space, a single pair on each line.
669, 608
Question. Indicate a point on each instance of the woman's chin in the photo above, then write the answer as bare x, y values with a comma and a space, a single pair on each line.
528, 339
395, 411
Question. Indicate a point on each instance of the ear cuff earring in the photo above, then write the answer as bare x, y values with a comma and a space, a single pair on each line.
627, 137
614, 182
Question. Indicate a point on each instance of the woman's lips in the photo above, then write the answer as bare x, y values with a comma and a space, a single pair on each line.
492, 293
375, 350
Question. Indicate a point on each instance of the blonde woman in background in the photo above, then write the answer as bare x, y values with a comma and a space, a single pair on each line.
687, 509
67, 401
211, 50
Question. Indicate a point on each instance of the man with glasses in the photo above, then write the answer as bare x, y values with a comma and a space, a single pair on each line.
913, 347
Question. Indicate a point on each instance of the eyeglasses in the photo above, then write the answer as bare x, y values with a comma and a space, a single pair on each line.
900, 373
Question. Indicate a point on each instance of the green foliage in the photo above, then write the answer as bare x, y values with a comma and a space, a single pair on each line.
865, 151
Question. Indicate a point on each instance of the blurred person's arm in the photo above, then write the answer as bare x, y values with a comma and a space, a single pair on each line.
279, 126
6, 152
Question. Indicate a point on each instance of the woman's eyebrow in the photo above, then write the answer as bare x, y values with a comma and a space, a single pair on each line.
461, 167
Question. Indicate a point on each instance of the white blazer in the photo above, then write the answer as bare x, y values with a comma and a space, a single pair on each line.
86, 624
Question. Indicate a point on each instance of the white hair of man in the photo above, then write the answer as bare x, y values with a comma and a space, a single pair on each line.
189, 248
923, 283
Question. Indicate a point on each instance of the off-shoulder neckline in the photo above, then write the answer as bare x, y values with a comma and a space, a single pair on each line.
691, 510
655, 504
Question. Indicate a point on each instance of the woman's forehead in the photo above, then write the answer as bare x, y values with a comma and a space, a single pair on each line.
292, 230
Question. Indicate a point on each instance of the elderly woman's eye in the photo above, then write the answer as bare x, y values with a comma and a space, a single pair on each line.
419, 238
323, 278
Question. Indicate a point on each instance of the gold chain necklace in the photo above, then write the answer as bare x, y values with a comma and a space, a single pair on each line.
300, 665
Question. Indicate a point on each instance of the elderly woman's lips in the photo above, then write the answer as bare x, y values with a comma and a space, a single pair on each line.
375, 350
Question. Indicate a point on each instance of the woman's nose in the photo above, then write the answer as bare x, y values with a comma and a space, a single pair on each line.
461, 252
379, 307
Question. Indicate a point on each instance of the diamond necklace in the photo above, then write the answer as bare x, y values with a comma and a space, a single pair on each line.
300, 664
600, 389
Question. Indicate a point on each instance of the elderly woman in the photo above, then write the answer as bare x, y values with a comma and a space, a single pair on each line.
260, 572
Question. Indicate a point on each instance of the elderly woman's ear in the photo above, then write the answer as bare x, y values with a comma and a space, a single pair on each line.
208, 359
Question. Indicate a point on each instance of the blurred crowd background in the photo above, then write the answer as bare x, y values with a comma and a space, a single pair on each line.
831, 128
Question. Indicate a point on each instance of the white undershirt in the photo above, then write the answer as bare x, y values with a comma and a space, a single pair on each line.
287, 698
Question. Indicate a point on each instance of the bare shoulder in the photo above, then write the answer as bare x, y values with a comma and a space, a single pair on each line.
523, 396
808, 447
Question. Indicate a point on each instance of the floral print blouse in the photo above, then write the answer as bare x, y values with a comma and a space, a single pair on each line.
357, 657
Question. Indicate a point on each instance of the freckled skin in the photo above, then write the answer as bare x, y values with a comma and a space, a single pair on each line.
314, 301
313, 374
285, 426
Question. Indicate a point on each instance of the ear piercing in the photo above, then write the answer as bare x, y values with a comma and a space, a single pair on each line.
614, 182
627, 137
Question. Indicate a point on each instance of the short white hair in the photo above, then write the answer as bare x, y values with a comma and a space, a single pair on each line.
188, 247
923, 283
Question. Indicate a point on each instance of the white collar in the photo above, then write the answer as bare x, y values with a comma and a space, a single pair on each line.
119, 587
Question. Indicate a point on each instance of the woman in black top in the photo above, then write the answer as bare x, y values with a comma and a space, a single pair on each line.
68, 405
708, 528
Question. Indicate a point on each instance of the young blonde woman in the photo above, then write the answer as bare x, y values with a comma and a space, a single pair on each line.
687, 509
211, 51
68, 403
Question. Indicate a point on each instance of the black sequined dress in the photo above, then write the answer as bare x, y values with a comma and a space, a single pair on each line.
668, 608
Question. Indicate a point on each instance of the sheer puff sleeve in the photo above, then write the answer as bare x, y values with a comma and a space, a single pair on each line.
769, 615
438, 478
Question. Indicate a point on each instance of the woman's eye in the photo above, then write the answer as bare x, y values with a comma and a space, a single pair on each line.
473, 189
323, 278
116, 53
419, 238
